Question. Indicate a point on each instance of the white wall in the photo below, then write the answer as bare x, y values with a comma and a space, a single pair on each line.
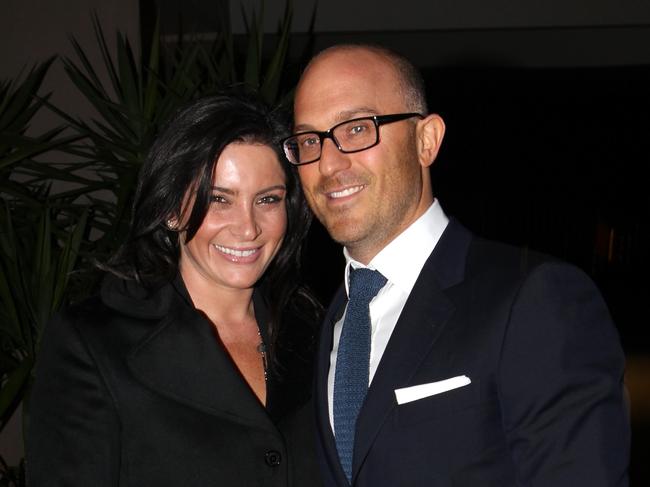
33, 30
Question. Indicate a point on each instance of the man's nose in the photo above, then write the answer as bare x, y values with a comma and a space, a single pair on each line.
332, 159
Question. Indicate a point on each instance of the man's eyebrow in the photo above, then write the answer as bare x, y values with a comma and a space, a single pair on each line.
355, 113
342, 116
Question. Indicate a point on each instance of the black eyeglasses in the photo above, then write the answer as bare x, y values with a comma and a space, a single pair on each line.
350, 136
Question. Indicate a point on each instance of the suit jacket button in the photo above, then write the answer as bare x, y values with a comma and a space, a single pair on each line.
272, 458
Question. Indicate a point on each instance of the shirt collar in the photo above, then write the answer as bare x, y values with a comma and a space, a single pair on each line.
403, 258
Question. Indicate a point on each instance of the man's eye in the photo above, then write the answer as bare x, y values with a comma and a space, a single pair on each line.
309, 141
358, 129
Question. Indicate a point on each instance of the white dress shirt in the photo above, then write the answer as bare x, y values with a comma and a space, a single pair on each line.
400, 262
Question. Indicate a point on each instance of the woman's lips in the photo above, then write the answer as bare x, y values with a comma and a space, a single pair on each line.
238, 255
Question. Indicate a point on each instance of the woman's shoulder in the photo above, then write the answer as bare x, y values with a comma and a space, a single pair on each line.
120, 314
69, 317
132, 299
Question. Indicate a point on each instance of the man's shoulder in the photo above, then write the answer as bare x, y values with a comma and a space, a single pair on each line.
498, 263
465, 254
485, 254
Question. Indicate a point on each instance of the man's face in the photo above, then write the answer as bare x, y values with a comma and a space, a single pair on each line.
364, 199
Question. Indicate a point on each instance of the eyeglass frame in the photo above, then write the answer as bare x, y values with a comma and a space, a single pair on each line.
378, 121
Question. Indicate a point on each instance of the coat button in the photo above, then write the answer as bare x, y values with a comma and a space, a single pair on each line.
272, 458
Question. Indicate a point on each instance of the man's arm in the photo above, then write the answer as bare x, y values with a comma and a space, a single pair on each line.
561, 384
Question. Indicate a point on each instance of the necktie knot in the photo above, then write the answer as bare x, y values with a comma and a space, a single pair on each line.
365, 284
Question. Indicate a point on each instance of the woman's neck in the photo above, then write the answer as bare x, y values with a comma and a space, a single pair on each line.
232, 314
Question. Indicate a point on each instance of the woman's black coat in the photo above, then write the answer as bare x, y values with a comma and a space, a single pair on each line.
134, 389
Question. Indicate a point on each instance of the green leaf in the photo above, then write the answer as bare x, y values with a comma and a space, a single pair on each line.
11, 392
9, 277
67, 261
34, 147
151, 87
129, 79
106, 55
270, 86
254, 50
19, 100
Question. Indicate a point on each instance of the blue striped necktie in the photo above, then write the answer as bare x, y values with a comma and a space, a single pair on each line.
352, 361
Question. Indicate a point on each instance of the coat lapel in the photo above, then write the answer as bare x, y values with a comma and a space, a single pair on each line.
425, 314
183, 360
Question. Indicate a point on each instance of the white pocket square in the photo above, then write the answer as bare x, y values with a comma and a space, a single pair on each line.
413, 393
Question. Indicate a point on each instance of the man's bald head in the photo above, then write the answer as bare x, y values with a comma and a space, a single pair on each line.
411, 84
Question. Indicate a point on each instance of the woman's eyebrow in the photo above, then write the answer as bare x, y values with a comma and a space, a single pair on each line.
233, 192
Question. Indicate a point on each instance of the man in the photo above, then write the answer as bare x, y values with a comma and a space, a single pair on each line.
487, 365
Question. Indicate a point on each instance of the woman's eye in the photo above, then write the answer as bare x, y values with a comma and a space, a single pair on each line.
269, 199
217, 198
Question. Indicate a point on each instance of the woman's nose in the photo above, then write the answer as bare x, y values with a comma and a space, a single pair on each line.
246, 226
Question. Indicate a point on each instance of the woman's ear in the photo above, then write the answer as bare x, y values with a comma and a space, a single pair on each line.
429, 133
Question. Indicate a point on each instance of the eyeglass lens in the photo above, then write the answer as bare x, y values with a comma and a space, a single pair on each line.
349, 136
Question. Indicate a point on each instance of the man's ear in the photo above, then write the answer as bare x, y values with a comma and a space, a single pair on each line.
429, 133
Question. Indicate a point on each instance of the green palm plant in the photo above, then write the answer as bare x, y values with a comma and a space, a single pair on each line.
35, 270
37, 247
128, 112
222, 63
19, 104
36, 266
139, 97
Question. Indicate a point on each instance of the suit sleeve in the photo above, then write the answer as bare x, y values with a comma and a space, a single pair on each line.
73, 429
561, 384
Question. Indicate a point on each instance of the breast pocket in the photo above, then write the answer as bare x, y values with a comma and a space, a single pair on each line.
439, 406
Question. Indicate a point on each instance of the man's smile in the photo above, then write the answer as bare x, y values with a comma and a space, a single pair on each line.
345, 192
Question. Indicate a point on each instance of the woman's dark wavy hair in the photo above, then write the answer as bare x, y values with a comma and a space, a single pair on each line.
181, 161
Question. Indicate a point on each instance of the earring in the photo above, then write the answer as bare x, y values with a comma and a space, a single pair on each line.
172, 224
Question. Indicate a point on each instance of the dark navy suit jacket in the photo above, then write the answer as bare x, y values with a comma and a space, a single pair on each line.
545, 406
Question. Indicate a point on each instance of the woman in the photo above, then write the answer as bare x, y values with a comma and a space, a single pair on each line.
191, 367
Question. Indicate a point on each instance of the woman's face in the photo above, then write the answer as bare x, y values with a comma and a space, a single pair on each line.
245, 223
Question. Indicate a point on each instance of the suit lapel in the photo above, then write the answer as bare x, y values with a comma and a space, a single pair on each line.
182, 359
426, 313
322, 402
421, 322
